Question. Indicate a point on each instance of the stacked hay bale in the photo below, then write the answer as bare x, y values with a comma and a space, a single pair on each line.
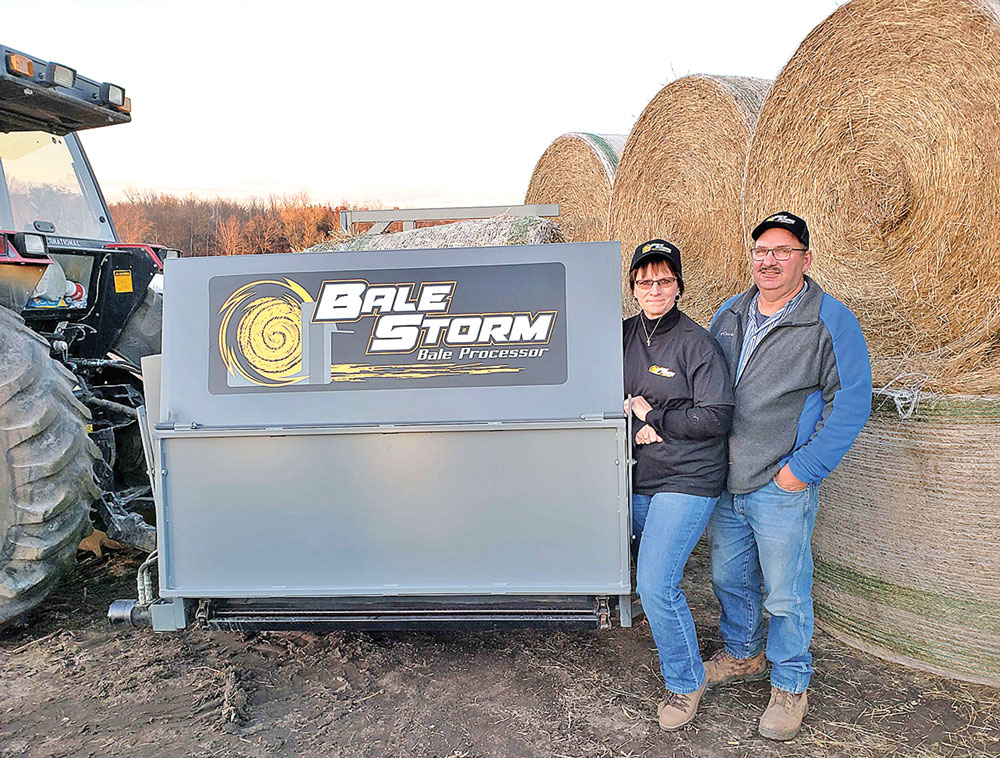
907, 542
577, 171
490, 232
881, 133
680, 177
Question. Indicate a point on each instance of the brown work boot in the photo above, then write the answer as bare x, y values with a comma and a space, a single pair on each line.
784, 714
722, 668
677, 710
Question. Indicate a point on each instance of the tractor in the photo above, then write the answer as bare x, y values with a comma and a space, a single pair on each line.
78, 309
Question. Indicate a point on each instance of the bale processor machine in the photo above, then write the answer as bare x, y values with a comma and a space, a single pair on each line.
389, 440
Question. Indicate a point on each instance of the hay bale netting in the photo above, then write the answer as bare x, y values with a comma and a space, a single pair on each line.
679, 178
489, 232
577, 171
907, 540
881, 131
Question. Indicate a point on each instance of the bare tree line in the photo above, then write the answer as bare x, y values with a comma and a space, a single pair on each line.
196, 226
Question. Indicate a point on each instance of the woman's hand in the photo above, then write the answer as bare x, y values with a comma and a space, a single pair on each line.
647, 435
640, 407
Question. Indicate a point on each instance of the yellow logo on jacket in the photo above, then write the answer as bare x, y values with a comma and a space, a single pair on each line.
662, 371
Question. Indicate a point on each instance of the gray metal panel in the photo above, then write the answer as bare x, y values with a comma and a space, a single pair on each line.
525, 509
594, 370
151, 376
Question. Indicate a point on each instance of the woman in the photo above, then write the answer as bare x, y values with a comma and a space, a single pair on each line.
683, 398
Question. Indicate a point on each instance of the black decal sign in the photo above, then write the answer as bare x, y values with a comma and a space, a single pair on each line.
468, 326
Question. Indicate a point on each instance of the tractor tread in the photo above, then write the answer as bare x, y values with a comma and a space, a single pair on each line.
46, 469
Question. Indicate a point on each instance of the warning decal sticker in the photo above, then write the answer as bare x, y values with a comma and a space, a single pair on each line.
123, 281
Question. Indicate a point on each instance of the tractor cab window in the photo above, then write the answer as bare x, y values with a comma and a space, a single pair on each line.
48, 187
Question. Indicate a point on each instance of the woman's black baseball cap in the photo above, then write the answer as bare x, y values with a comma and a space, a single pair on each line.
654, 249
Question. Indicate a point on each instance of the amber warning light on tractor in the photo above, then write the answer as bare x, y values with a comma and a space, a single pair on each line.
20, 64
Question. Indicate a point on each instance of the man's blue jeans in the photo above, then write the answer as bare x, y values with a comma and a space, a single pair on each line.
764, 536
668, 526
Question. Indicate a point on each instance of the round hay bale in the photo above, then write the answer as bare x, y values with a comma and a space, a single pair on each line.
907, 540
679, 178
881, 131
577, 171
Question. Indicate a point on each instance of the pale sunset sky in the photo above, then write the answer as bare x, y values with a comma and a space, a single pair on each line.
413, 104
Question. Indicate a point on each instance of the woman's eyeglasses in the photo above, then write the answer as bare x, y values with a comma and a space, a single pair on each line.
645, 284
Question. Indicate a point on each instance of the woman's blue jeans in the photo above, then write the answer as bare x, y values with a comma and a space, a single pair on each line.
667, 526
764, 538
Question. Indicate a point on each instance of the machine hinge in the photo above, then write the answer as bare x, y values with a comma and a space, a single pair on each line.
201, 615
177, 427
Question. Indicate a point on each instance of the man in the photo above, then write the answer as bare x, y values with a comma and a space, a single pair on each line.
802, 381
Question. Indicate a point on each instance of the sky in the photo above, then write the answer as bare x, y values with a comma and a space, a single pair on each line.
408, 104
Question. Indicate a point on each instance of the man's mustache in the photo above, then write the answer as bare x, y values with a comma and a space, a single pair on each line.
770, 269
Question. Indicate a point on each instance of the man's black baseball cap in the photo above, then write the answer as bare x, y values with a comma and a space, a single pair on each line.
784, 220
654, 249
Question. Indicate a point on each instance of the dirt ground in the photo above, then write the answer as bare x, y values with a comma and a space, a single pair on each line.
72, 686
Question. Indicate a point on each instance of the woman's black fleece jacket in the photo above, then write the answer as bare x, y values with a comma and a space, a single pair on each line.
684, 377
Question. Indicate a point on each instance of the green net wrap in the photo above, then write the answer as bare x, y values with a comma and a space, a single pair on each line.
907, 541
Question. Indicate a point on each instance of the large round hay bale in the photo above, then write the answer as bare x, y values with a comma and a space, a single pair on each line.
679, 178
577, 171
907, 540
881, 131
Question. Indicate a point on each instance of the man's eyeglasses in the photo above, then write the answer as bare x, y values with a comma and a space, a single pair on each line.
645, 284
782, 253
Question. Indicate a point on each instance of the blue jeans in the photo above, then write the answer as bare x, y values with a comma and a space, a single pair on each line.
667, 526
764, 537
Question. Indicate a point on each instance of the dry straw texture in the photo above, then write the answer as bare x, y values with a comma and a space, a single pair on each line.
490, 232
907, 535
577, 171
680, 177
882, 133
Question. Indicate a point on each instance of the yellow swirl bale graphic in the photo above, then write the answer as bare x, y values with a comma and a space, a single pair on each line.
270, 337
260, 337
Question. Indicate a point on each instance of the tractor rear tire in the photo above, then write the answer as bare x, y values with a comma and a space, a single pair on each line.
46, 469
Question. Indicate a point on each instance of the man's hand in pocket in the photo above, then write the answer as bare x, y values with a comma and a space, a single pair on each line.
786, 480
